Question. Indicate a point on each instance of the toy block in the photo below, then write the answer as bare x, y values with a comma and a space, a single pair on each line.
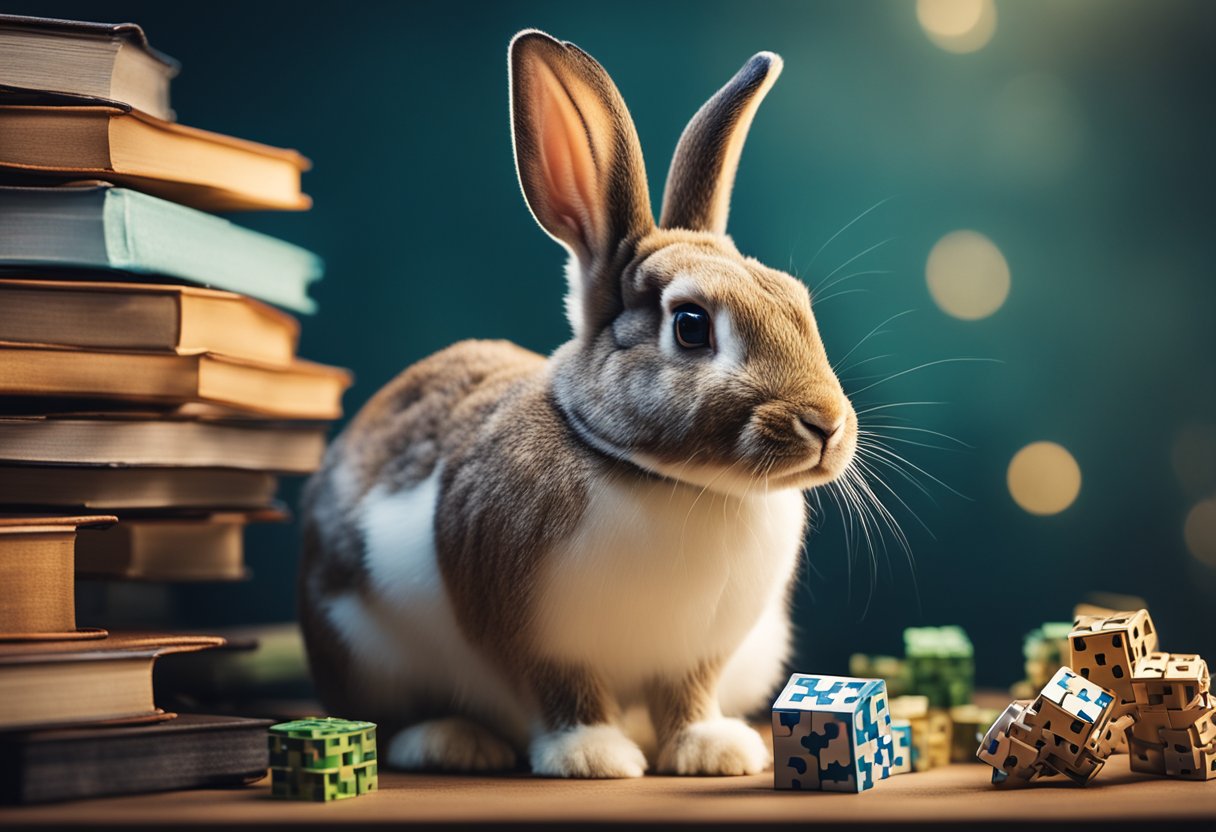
322, 758
1170, 681
1104, 649
968, 723
940, 734
1044, 649
892, 670
832, 733
941, 664
901, 739
1145, 757
1148, 726
1066, 730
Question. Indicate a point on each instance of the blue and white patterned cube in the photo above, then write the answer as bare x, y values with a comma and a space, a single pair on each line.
832, 733
901, 753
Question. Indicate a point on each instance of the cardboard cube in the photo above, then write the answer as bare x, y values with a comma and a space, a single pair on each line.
940, 664
831, 733
1170, 681
1105, 649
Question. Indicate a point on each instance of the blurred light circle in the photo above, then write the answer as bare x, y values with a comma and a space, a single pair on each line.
967, 275
1044, 478
1194, 458
1200, 531
957, 25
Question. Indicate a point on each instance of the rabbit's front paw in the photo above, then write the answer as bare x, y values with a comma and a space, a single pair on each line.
715, 746
587, 751
450, 744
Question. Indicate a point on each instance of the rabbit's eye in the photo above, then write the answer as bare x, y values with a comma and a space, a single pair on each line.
692, 326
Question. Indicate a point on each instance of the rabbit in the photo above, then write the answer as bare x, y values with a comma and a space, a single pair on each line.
507, 554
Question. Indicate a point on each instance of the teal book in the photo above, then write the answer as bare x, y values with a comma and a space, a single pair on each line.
100, 227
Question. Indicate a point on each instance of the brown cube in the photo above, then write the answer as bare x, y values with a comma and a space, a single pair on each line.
1170, 681
1105, 649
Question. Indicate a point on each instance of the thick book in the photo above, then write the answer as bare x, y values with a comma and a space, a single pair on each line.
44, 684
300, 390
37, 579
68, 61
194, 167
171, 549
95, 225
133, 489
138, 317
191, 751
146, 440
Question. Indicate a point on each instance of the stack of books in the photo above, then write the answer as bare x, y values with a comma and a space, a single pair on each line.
150, 396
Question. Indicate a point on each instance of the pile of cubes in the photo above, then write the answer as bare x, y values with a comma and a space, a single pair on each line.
1118, 693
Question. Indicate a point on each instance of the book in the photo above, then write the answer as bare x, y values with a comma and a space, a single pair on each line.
126, 316
153, 440
134, 488
206, 548
70, 61
301, 390
37, 555
188, 752
194, 167
43, 684
94, 225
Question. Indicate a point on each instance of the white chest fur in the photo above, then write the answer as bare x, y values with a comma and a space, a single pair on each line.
661, 576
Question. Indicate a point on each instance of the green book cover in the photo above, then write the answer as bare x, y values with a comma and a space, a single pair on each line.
97, 226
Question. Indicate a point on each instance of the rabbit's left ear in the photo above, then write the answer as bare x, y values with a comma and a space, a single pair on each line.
703, 169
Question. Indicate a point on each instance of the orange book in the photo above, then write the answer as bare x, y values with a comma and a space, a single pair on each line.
300, 390
183, 164
77, 682
37, 580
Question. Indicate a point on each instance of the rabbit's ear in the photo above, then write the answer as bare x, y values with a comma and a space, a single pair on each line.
703, 169
576, 149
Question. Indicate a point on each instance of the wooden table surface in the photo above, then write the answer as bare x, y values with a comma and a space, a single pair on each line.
957, 796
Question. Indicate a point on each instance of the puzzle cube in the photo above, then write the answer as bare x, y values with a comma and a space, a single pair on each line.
1175, 733
831, 733
901, 742
1067, 729
941, 664
322, 759
915, 709
1105, 649
1170, 681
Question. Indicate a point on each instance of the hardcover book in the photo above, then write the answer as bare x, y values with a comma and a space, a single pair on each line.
74, 62
301, 390
138, 317
150, 440
187, 165
43, 684
93, 225
189, 752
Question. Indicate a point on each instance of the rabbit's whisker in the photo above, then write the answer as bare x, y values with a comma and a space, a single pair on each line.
925, 366
847, 226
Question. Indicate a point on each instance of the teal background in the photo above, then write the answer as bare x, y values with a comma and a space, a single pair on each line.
1100, 200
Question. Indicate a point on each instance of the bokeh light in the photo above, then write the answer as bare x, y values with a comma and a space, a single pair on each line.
957, 25
1194, 458
1044, 478
967, 275
1200, 531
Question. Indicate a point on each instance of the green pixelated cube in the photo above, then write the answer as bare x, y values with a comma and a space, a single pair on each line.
941, 664
322, 785
322, 758
322, 744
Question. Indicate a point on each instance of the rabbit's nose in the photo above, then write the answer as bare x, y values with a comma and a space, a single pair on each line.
817, 424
